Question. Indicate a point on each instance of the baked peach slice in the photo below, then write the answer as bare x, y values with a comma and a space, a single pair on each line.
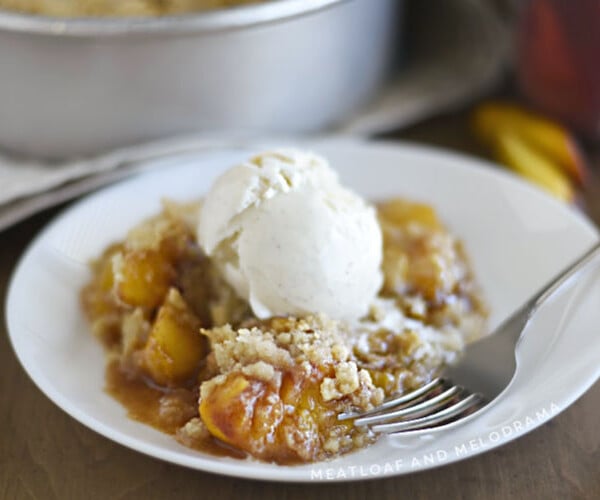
402, 213
419, 256
291, 423
146, 267
142, 277
175, 346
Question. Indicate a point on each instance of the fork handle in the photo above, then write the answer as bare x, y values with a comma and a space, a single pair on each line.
559, 280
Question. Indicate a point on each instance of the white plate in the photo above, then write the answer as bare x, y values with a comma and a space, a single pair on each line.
517, 237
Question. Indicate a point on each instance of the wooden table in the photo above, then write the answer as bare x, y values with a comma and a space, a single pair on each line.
45, 454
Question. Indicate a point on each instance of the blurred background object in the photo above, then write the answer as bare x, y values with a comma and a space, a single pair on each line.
558, 60
85, 86
532, 145
440, 64
456, 51
450, 53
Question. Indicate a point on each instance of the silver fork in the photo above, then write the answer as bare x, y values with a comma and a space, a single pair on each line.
486, 368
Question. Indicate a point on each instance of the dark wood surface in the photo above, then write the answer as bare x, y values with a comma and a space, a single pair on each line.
45, 454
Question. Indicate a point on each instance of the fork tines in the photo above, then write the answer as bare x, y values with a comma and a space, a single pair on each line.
431, 405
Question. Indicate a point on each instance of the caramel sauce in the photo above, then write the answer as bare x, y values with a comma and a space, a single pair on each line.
145, 403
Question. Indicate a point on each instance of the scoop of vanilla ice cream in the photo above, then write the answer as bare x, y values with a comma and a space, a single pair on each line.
290, 239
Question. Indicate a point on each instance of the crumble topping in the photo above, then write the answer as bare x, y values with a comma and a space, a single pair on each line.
344, 382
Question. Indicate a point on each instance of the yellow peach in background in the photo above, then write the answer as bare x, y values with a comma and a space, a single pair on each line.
515, 152
545, 138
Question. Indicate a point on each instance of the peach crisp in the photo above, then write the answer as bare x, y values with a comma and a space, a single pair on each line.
187, 355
